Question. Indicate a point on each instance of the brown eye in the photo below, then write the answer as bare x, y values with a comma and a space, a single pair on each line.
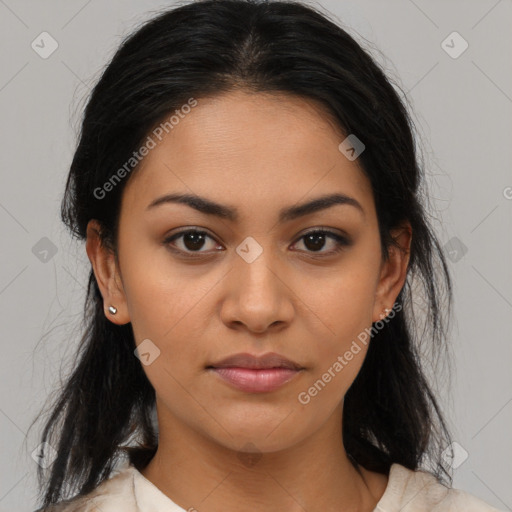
192, 241
315, 241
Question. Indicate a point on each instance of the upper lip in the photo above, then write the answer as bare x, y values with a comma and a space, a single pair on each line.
245, 360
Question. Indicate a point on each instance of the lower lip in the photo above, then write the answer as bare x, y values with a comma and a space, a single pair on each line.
256, 381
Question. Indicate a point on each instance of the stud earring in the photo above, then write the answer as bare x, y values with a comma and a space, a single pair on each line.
112, 310
385, 314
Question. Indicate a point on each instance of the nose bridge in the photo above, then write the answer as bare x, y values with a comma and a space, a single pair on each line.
259, 297
257, 266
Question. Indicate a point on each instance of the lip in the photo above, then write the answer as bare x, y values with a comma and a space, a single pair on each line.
256, 374
256, 381
265, 361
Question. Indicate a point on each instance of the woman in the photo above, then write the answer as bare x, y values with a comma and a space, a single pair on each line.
248, 189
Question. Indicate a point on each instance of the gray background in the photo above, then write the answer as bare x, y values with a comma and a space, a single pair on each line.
463, 110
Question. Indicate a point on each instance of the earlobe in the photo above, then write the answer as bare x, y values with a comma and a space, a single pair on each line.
393, 272
107, 275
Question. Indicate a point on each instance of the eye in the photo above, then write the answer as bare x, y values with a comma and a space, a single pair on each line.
315, 240
191, 240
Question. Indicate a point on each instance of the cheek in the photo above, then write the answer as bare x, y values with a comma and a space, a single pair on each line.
159, 293
169, 310
343, 301
339, 356
343, 306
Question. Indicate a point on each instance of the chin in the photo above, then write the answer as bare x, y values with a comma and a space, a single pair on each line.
259, 436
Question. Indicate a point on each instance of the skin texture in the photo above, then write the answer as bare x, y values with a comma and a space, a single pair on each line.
257, 153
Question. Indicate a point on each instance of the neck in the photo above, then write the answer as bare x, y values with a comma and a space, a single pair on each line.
198, 473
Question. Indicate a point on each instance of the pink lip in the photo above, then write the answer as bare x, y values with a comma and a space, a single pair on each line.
256, 374
256, 380
245, 360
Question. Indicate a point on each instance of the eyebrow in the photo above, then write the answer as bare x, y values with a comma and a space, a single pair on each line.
209, 207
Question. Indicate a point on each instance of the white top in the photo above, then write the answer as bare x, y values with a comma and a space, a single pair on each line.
127, 490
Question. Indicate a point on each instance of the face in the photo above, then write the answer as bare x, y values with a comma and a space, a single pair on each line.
201, 286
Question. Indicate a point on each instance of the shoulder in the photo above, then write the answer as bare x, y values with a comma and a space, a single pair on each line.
419, 491
112, 495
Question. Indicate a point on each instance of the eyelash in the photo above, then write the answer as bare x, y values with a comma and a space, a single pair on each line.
340, 240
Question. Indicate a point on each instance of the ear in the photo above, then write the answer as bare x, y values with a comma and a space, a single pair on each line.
393, 272
107, 275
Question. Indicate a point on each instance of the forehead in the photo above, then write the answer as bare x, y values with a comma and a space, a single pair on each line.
250, 148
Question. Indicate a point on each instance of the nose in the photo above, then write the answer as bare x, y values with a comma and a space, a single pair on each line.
258, 296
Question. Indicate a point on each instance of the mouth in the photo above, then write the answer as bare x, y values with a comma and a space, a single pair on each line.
249, 361
256, 374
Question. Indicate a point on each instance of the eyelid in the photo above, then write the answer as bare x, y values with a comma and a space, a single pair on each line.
325, 229
341, 238
189, 229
